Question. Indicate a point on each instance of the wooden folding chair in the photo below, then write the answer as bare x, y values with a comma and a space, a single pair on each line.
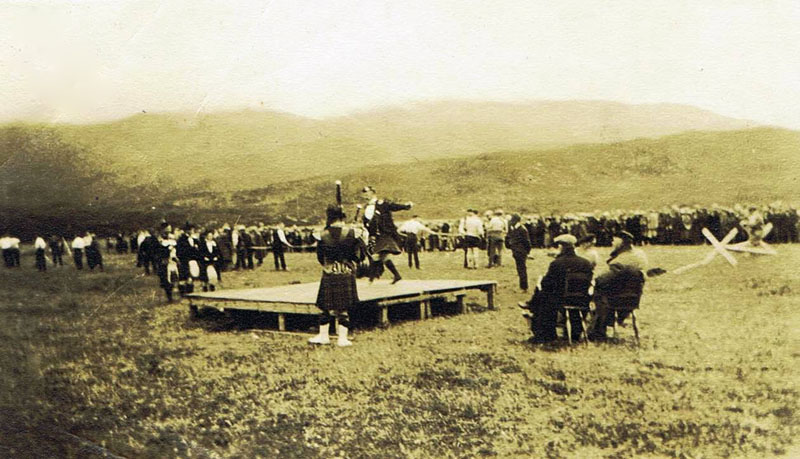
626, 301
576, 299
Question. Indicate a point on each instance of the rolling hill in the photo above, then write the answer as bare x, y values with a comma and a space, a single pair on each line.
249, 149
753, 165
443, 156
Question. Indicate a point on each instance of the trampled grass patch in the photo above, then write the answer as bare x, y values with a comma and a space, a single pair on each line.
102, 358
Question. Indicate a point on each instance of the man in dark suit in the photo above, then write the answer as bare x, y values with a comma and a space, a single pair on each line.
246, 236
146, 252
186, 251
548, 296
210, 262
239, 247
259, 241
57, 249
224, 241
519, 241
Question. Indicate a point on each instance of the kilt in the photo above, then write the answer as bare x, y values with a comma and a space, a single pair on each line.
386, 243
337, 291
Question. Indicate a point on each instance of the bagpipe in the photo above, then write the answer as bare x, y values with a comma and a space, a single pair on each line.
366, 265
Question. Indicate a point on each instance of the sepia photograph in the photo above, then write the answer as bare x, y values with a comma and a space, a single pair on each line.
399, 229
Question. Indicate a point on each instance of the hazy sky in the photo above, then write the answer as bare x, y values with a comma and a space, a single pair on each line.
82, 61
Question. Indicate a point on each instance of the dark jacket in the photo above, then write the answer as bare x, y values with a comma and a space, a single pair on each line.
566, 262
150, 248
382, 222
519, 241
245, 241
186, 248
339, 244
258, 239
207, 257
277, 245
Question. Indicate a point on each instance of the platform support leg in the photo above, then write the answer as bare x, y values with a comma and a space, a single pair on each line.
384, 315
281, 322
490, 297
423, 309
462, 307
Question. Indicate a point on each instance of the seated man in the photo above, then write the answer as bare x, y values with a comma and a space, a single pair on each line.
626, 272
548, 297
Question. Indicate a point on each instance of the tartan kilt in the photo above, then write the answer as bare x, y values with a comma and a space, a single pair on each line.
337, 291
386, 243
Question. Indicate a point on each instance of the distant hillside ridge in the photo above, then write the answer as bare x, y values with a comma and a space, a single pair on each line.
756, 165
250, 149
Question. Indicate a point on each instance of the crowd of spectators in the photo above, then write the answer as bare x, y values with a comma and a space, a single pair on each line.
674, 225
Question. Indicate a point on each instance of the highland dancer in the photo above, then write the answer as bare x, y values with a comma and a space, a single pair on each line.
382, 231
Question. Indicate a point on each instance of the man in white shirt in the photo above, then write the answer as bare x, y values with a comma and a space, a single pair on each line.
41, 246
496, 231
471, 230
412, 229
279, 246
5, 245
77, 251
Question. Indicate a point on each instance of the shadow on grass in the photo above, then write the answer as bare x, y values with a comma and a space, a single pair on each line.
361, 318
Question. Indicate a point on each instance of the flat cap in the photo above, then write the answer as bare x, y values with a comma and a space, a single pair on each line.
566, 239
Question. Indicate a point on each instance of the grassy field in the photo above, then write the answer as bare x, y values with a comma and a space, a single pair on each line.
99, 359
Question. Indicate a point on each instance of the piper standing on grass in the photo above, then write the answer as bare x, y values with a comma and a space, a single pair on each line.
378, 220
338, 251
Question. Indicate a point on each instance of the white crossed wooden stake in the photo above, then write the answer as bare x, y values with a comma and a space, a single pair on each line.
753, 246
720, 247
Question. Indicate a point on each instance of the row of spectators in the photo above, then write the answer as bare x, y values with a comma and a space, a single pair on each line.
300, 238
243, 247
676, 225
239, 246
83, 246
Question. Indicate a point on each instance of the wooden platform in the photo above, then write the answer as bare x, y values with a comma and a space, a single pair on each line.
378, 296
